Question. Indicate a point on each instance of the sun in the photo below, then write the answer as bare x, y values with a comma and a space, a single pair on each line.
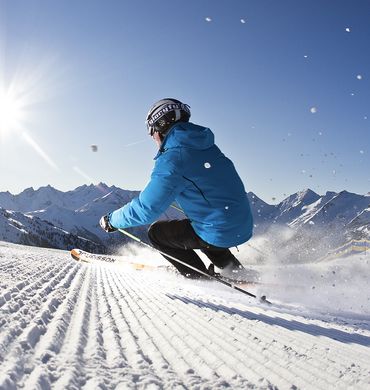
11, 111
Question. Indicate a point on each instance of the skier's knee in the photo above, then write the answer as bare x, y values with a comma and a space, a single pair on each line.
153, 233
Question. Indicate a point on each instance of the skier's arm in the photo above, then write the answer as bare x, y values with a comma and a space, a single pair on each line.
165, 184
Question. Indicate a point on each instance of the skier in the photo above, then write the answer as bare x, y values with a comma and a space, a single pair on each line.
191, 170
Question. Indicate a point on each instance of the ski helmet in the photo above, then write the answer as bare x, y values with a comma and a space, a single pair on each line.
165, 113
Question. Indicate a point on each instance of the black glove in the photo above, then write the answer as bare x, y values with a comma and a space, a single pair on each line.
105, 224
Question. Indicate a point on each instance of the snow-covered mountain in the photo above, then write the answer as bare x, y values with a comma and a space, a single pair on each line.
339, 215
307, 226
359, 227
291, 208
306, 209
263, 212
340, 209
84, 220
32, 200
19, 228
85, 214
309, 210
76, 212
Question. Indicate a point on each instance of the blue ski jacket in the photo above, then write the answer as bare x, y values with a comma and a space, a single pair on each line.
191, 170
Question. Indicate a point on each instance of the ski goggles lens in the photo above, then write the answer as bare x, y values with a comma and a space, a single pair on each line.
150, 129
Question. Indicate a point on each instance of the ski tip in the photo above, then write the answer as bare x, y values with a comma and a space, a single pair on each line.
75, 253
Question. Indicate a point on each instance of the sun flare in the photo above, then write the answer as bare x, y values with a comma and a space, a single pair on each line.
11, 111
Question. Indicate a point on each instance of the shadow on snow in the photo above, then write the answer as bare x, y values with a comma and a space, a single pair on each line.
312, 329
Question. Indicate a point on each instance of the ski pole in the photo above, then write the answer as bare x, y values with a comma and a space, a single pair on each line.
231, 285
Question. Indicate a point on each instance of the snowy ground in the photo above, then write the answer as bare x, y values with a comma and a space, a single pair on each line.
70, 325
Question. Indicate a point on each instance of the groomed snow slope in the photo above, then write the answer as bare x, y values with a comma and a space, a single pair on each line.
65, 325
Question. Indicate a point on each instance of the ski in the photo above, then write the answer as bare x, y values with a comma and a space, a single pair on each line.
82, 256
86, 257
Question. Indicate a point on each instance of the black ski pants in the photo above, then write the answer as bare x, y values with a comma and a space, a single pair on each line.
177, 238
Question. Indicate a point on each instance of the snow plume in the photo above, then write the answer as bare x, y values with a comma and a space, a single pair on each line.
283, 245
289, 275
332, 287
135, 253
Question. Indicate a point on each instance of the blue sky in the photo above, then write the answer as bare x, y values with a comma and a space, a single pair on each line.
86, 72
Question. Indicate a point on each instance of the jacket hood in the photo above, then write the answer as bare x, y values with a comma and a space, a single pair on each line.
188, 135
